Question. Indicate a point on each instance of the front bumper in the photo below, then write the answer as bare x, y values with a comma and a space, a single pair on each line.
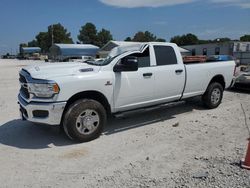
52, 116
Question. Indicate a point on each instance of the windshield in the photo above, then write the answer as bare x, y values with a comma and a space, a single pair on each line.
116, 52
101, 62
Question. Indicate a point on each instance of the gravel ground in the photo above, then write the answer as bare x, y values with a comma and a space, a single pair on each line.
182, 145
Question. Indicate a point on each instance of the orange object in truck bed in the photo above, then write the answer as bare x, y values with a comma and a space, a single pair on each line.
194, 59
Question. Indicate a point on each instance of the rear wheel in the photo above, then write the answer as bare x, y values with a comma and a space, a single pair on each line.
213, 96
84, 120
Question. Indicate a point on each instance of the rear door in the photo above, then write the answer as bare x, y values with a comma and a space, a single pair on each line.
169, 73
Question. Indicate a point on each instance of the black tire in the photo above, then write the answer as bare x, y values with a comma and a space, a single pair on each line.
78, 110
209, 99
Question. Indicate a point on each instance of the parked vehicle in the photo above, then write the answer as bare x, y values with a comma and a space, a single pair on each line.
80, 96
8, 56
220, 58
242, 77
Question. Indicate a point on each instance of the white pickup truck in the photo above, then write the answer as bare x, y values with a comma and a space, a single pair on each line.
80, 96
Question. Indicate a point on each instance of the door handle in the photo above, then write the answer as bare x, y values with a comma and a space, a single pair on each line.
179, 71
147, 74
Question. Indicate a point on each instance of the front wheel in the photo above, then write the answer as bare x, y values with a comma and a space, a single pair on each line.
213, 96
84, 120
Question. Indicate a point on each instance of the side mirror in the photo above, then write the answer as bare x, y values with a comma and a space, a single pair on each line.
127, 64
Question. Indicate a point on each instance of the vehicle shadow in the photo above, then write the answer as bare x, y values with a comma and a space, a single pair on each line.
161, 114
26, 135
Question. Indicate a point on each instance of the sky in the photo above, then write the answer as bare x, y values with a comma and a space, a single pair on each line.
22, 20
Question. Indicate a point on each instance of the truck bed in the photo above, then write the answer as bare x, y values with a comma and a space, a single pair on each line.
198, 76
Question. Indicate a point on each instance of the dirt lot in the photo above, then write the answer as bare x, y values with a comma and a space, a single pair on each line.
178, 146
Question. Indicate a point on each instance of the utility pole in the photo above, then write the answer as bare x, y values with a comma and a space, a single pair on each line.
52, 37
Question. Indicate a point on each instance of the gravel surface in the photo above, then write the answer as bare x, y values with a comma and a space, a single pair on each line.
182, 145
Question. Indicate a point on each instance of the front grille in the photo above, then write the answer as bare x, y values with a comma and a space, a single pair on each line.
22, 79
24, 87
24, 112
24, 92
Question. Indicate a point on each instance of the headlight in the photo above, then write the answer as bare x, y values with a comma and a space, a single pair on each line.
44, 90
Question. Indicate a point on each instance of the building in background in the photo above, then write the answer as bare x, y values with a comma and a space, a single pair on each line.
239, 50
64, 52
29, 52
112, 44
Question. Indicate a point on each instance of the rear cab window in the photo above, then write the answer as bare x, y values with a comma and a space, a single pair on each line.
165, 55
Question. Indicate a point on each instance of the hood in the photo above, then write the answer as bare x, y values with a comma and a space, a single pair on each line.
52, 70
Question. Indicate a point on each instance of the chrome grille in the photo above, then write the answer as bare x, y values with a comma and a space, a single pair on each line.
22, 79
24, 87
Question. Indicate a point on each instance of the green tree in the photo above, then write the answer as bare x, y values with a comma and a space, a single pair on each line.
205, 41
60, 34
160, 40
139, 37
43, 41
245, 38
56, 34
176, 39
32, 43
191, 39
23, 45
88, 34
149, 36
128, 39
103, 37
145, 37
188, 39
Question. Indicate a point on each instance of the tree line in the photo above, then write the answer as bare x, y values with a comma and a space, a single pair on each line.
88, 34
57, 33
191, 39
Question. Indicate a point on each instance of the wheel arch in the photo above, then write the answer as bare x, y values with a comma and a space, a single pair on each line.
94, 95
220, 79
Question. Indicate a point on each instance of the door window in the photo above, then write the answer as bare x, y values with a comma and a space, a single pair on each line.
143, 58
165, 55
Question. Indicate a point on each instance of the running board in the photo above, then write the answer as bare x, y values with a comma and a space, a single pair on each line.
146, 109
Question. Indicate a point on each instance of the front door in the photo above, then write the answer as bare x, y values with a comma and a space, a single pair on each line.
135, 89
